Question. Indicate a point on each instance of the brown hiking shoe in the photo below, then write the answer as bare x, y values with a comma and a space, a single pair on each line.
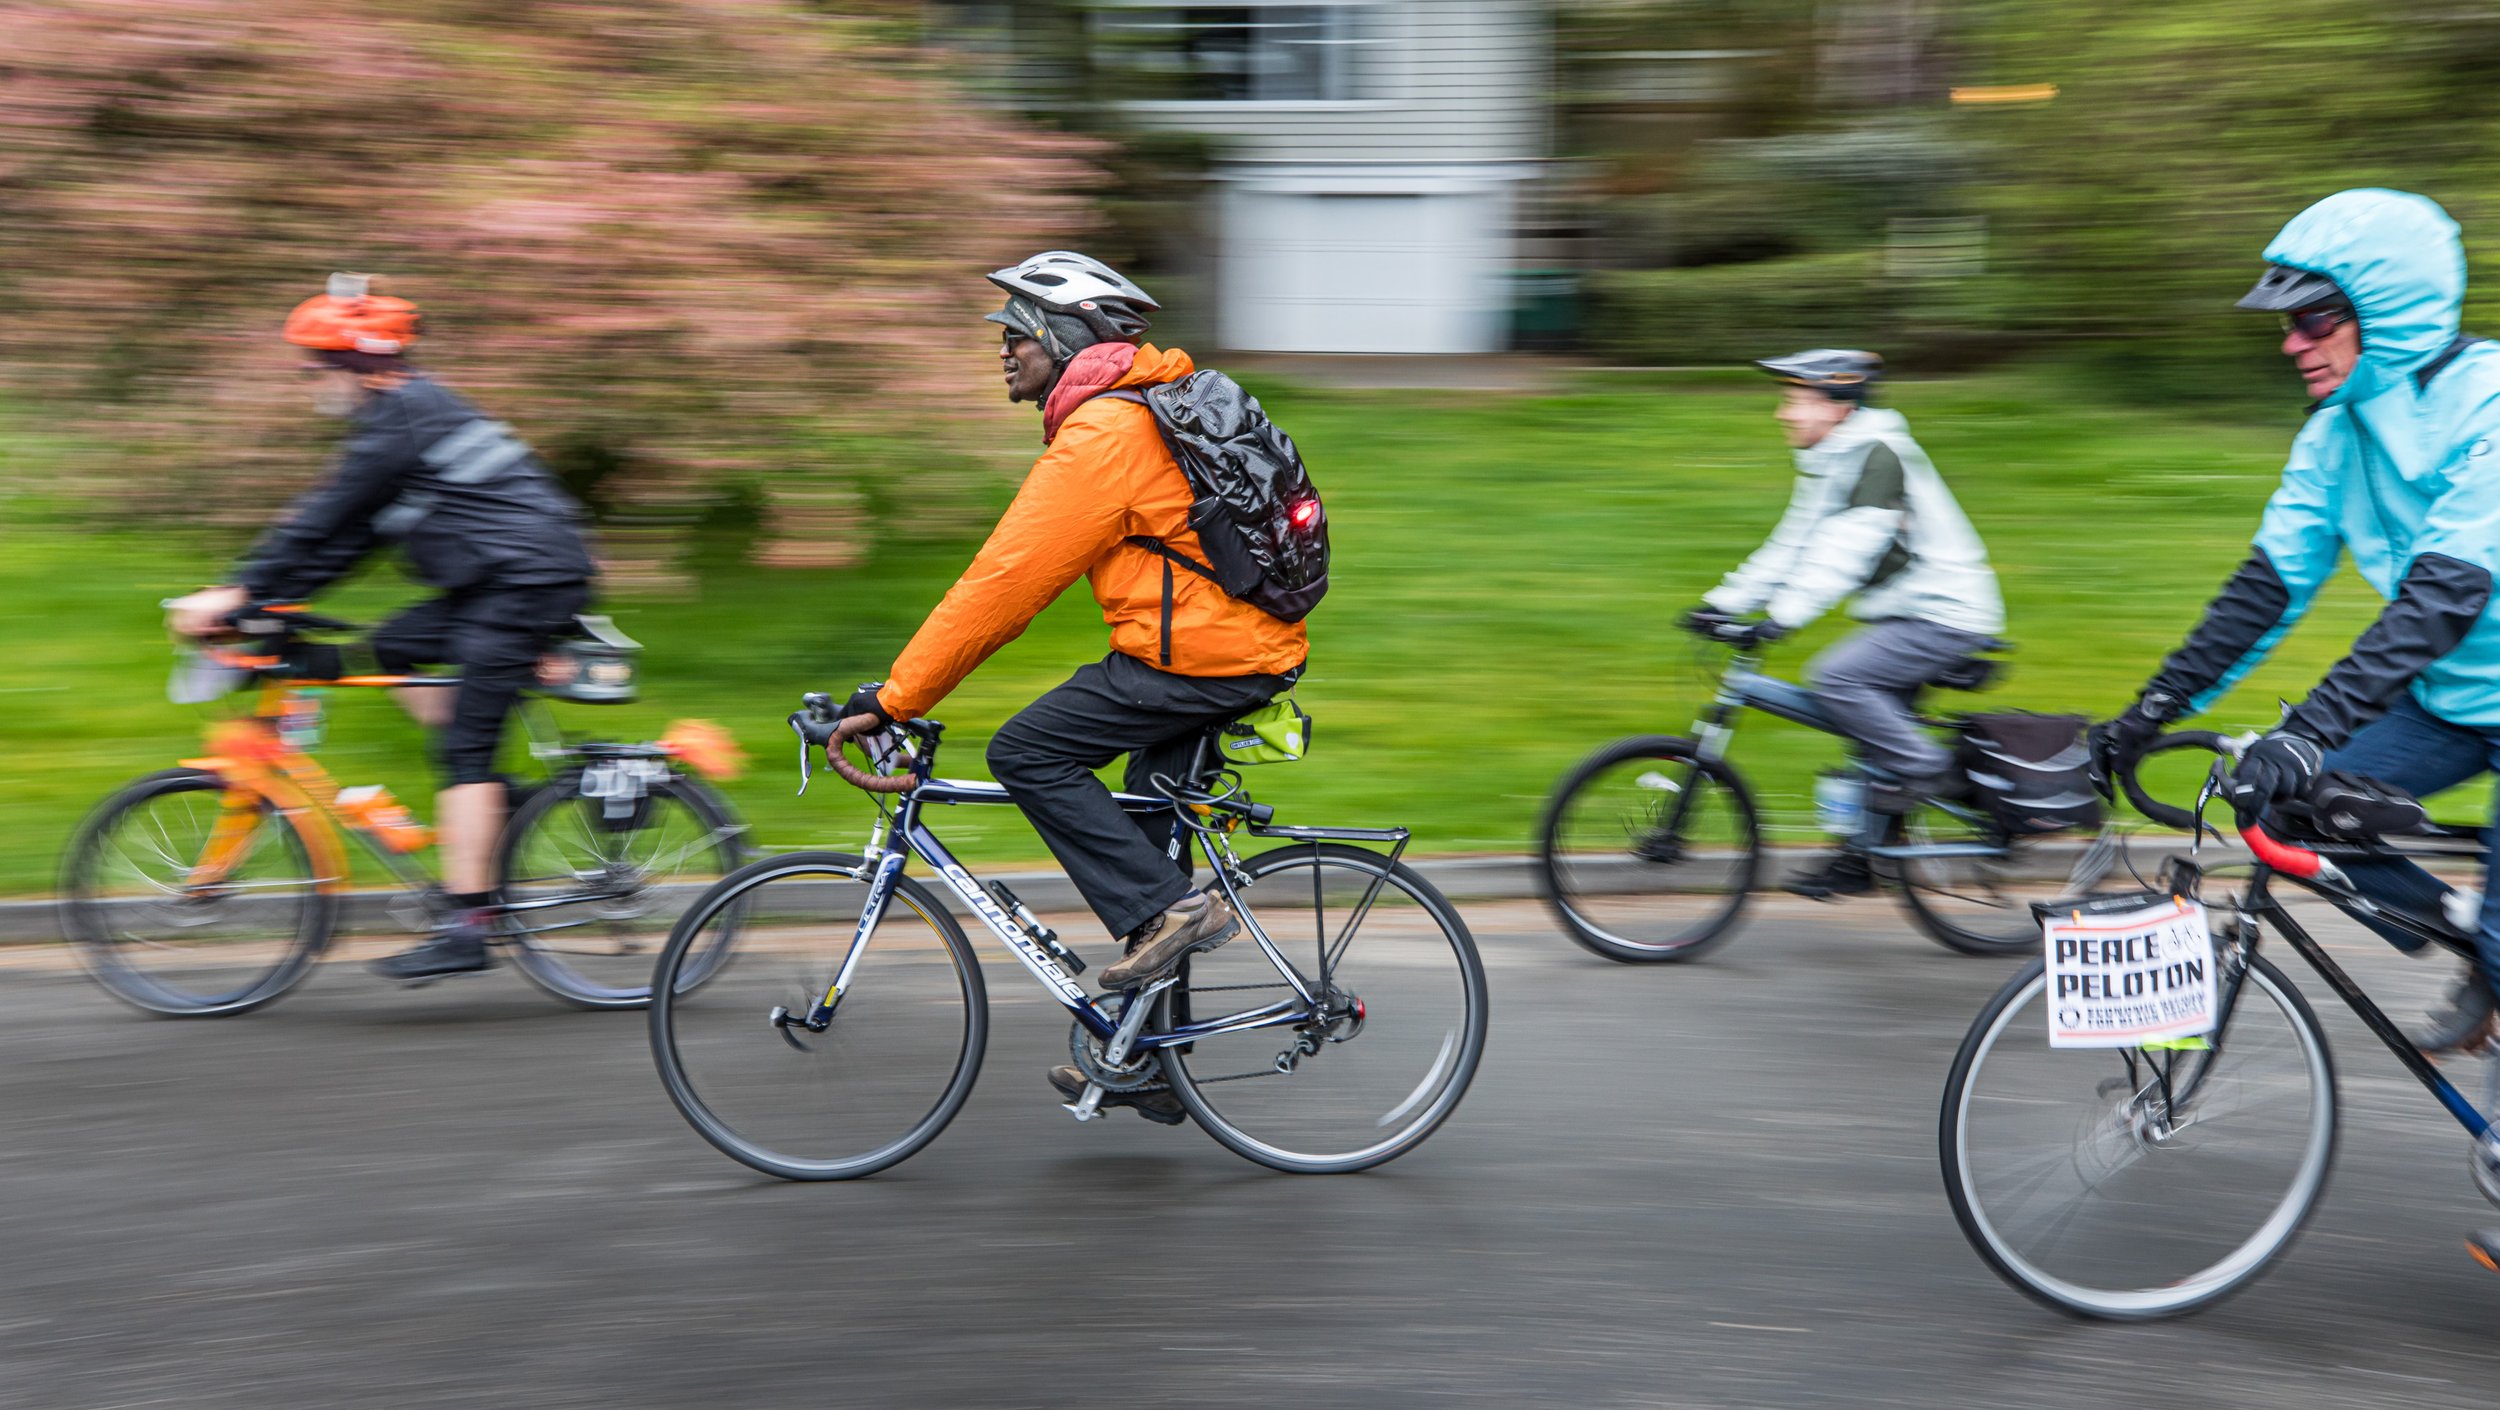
1167, 937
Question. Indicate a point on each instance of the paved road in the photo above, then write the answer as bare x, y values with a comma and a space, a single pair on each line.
1705, 1186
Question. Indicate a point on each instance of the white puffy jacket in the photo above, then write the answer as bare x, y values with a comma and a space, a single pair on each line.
1870, 516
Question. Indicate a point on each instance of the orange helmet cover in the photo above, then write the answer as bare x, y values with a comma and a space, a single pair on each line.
348, 319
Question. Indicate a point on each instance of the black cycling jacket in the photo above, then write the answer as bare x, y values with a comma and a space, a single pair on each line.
466, 500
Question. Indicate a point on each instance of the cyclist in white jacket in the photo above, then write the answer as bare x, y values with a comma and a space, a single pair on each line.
1869, 517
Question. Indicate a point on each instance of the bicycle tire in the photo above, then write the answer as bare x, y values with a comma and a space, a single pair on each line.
1448, 1073
556, 964
2182, 1295
97, 927
1591, 922
666, 1029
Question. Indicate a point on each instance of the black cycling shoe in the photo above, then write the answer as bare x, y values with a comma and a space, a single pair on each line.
459, 950
1155, 1103
1847, 874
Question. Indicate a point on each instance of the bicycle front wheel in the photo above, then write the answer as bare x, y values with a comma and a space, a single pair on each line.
2130, 1184
190, 899
596, 885
884, 1076
1386, 1065
1648, 851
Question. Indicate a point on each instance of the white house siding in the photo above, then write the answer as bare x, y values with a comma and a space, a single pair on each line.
1382, 222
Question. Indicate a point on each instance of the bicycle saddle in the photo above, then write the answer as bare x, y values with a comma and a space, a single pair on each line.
1976, 671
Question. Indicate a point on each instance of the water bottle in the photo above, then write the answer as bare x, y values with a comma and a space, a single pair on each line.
1839, 801
375, 810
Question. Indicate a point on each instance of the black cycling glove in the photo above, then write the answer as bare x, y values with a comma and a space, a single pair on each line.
2274, 770
864, 701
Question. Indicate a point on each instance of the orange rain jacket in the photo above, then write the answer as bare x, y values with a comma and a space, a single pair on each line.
1105, 477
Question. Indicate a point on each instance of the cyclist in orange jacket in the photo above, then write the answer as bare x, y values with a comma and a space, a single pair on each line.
1184, 655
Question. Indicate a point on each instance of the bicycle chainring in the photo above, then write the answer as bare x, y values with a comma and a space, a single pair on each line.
1143, 1069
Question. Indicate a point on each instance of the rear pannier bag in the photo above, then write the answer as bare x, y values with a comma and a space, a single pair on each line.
1253, 506
2031, 773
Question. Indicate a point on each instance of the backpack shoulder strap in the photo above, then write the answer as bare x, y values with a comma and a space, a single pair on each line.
2422, 377
1165, 551
1123, 394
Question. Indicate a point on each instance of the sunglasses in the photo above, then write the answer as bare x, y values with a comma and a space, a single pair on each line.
2315, 323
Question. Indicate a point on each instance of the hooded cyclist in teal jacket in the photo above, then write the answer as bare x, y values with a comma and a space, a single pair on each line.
2396, 465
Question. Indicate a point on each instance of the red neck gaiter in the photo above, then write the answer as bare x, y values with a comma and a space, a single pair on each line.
1089, 374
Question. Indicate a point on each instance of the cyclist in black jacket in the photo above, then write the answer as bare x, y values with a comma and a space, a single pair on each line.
479, 519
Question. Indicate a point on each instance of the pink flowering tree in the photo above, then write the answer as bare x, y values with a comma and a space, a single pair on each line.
678, 243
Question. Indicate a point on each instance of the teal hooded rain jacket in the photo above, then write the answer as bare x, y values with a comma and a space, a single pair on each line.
2398, 468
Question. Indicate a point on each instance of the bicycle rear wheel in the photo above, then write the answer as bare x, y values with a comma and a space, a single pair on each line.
2129, 1184
596, 890
894, 1066
1367, 1085
186, 899
1648, 852
1981, 905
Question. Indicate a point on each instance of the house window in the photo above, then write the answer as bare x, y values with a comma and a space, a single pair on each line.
1238, 53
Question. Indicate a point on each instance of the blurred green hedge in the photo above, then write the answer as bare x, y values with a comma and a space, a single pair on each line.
1727, 313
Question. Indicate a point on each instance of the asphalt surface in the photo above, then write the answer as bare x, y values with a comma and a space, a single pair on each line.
1705, 1185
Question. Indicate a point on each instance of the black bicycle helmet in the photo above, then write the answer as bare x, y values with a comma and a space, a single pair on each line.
2284, 289
1843, 374
1068, 302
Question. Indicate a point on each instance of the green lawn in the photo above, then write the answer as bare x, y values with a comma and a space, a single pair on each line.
1508, 570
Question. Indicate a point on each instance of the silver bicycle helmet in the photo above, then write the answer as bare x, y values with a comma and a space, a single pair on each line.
1843, 374
1068, 302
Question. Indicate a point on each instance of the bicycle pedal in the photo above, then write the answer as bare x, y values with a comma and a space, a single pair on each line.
1088, 1106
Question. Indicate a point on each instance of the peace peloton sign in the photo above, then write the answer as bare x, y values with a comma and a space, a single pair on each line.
2132, 973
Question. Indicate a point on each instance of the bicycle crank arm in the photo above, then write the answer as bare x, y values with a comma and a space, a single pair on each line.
1087, 1107
1133, 1019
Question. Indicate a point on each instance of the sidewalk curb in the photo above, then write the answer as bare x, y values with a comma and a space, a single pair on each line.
1482, 878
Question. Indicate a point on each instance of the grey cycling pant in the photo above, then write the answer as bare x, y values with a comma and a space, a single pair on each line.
1866, 682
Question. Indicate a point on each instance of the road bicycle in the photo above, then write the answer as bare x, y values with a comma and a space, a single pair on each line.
212, 888
1650, 849
2131, 1183
821, 1016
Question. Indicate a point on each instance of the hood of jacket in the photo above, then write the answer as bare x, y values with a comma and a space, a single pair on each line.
2397, 256
1109, 367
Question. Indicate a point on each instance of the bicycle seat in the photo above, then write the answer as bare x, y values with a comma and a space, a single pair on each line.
1976, 671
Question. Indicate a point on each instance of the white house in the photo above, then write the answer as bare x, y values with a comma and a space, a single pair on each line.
1370, 156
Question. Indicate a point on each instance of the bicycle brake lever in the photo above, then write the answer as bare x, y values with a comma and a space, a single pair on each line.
2204, 797
806, 770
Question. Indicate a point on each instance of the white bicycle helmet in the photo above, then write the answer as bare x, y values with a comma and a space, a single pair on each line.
1068, 302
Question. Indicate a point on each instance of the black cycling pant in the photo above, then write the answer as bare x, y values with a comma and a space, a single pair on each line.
495, 636
1047, 754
